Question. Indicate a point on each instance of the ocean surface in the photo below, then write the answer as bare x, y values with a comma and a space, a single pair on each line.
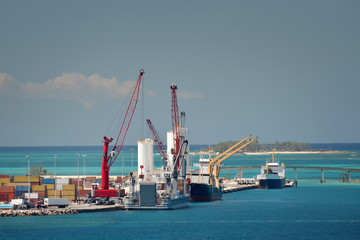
313, 210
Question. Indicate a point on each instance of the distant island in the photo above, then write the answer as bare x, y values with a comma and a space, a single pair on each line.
266, 148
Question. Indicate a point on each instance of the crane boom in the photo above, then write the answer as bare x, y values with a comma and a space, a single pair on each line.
108, 160
175, 119
212, 161
157, 140
127, 119
217, 167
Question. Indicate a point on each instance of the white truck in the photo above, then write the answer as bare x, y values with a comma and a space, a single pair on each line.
56, 202
19, 203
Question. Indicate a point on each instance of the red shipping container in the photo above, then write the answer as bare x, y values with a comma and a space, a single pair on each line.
35, 183
11, 196
4, 176
4, 197
84, 192
91, 179
75, 182
7, 189
41, 194
118, 180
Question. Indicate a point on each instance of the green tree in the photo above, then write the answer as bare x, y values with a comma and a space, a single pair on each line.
37, 170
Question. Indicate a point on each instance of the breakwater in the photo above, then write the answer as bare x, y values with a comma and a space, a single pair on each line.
42, 212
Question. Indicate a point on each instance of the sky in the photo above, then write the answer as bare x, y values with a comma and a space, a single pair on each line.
280, 70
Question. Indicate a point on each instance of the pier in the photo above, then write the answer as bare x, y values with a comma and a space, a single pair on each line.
343, 177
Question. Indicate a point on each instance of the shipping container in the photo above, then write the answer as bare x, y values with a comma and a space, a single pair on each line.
41, 194
32, 195
20, 193
98, 180
22, 188
7, 189
84, 192
4, 180
88, 185
90, 179
4, 197
48, 181
39, 188
68, 187
49, 186
75, 182
17, 184
52, 193
68, 193
55, 202
118, 180
4, 176
22, 179
63, 181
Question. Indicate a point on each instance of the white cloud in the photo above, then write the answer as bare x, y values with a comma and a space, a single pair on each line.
7, 83
184, 94
71, 86
76, 85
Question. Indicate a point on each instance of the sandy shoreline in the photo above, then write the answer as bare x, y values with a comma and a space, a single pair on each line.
297, 152
281, 152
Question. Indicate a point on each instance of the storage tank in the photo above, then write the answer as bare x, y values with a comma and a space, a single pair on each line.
170, 145
145, 157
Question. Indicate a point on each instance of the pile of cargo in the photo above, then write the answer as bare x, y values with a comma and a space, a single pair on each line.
71, 188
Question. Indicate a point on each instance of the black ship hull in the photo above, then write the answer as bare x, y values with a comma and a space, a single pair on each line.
271, 183
204, 193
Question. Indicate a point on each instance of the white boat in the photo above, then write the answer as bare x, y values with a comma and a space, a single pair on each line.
272, 175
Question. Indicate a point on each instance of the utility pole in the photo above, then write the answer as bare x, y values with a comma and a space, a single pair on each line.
28, 158
55, 174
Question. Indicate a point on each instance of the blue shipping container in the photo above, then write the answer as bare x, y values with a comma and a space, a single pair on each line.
98, 180
48, 181
20, 193
22, 188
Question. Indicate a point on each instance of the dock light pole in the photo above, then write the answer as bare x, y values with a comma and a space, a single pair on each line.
55, 174
84, 157
78, 157
28, 158
132, 158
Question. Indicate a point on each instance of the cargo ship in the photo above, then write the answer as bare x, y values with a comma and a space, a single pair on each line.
272, 175
201, 192
200, 188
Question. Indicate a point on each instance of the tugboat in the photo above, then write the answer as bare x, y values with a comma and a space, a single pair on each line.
272, 175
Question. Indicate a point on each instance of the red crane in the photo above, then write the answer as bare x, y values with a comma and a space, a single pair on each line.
158, 142
107, 159
175, 120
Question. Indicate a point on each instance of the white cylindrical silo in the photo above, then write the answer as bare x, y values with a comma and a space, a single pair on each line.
170, 145
145, 157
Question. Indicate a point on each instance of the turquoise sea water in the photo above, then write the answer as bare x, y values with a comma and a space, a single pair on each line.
310, 211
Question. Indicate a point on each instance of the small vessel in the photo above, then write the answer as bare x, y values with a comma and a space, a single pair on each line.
272, 175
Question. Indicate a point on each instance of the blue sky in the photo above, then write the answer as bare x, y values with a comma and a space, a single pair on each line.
280, 70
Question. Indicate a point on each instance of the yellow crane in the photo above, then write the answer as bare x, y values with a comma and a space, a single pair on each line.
219, 161
212, 161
